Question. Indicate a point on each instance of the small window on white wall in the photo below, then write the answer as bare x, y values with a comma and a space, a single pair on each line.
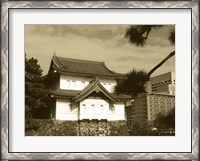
108, 87
70, 107
101, 108
73, 84
93, 108
113, 108
104, 85
112, 88
63, 84
67, 83
84, 107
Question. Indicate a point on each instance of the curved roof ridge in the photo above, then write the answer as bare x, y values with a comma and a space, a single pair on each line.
111, 70
56, 61
86, 67
59, 61
80, 60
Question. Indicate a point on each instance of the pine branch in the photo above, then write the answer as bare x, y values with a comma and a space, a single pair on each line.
147, 33
160, 64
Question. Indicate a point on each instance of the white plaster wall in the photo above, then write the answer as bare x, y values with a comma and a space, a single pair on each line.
89, 109
64, 111
94, 109
100, 109
118, 113
79, 83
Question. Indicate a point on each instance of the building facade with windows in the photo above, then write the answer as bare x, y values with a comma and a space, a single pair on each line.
160, 98
147, 106
82, 89
164, 83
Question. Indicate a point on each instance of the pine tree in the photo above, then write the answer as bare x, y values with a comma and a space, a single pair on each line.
133, 84
35, 90
138, 34
165, 121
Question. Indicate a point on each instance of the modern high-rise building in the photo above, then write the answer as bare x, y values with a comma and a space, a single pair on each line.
164, 83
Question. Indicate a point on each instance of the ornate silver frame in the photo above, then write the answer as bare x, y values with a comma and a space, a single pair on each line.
5, 6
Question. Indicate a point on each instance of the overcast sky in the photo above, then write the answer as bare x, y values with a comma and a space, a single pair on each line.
99, 43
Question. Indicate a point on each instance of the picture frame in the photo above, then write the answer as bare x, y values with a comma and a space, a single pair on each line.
6, 87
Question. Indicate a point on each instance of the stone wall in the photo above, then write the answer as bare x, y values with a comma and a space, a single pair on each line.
36, 127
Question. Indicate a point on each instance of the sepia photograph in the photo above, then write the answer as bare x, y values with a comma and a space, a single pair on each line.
99, 80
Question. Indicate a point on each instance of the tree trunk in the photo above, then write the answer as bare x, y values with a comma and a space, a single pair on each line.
160, 64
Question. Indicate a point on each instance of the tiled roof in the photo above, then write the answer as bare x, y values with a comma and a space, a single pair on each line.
65, 93
95, 86
83, 67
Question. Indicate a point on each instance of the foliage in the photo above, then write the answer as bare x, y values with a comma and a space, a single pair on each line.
172, 36
48, 127
138, 130
35, 90
31, 125
118, 128
138, 34
147, 130
134, 83
165, 121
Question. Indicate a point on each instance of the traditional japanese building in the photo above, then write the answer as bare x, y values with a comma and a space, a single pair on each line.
82, 89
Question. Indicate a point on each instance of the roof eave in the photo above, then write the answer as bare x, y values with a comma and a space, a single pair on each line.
95, 86
89, 75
